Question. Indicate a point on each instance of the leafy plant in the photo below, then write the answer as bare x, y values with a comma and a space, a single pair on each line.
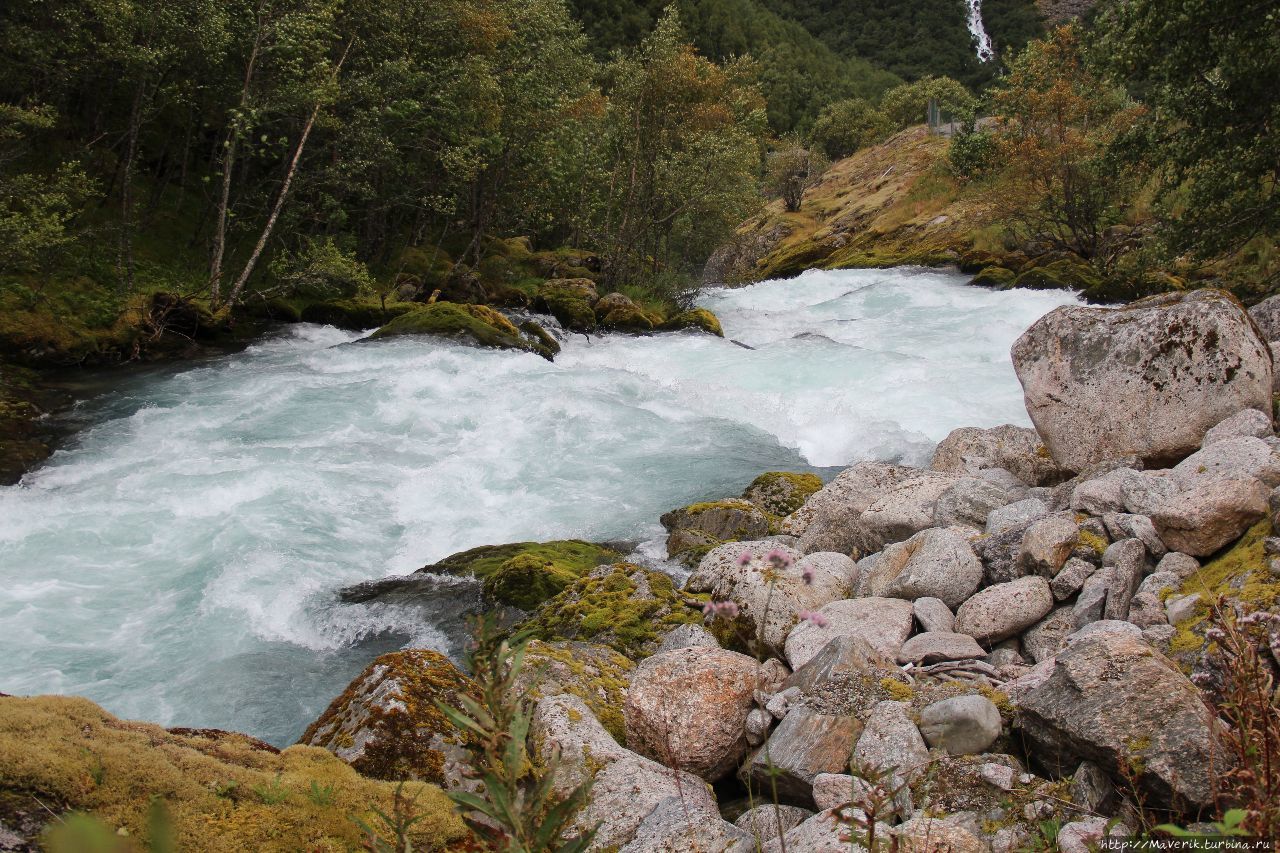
272, 793
398, 824
518, 809
320, 795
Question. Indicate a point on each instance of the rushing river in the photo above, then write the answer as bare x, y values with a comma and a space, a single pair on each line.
178, 560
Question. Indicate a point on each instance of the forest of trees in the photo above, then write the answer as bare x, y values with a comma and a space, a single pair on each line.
215, 148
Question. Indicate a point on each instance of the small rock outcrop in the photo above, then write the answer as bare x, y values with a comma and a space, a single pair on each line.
1148, 379
386, 723
1112, 699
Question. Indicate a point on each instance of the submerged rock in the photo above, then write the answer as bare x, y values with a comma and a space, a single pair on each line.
1147, 379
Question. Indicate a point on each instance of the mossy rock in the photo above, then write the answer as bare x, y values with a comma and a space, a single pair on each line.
526, 580
575, 555
222, 792
1240, 573
696, 529
781, 493
571, 301
1119, 288
355, 315
387, 724
1058, 275
596, 674
697, 318
540, 336
628, 319
476, 324
623, 606
994, 277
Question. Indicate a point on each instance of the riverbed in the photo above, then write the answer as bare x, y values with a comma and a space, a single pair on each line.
178, 560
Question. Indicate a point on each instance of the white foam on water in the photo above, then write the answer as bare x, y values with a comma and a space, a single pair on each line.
178, 561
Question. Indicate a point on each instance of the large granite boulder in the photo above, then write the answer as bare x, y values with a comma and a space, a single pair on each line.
695, 529
1109, 698
884, 623
1019, 450
625, 787
1005, 609
829, 520
386, 723
1215, 513
805, 744
934, 563
1148, 379
688, 709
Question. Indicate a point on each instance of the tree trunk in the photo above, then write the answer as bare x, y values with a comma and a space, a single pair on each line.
284, 190
228, 168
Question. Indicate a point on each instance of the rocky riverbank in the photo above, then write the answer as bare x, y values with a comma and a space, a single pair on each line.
1019, 646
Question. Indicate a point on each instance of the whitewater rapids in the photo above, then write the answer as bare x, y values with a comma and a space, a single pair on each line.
178, 560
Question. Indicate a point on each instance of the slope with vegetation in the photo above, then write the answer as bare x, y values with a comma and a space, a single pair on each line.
1107, 164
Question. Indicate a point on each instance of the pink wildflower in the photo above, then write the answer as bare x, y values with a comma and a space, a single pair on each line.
745, 558
807, 576
779, 558
814, 618
713, 609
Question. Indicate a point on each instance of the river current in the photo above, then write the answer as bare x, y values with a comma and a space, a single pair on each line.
178, 560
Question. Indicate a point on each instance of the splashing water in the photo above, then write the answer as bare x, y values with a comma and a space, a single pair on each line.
986, 51
178, 561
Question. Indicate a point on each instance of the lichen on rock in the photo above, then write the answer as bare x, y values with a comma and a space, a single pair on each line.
623, 606
387, 725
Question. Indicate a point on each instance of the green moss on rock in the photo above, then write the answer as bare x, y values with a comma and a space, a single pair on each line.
994, 277
387, 724
1058, 275
628, 319
570, 301
596, 674
353, 314
476, 324
623, 606
781, 493
526, 580
574, 555
697, 318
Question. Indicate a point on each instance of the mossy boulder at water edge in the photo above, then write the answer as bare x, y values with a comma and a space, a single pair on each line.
697, 318
524, 574
571, 301
475, 324
222, 792
695, 529
1058, 275
623, 606
386, 723
353, 314
781, 493
998, 277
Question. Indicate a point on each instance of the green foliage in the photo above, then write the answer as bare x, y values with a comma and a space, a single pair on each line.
791, 170
1218, 173
798, 72
272, 793
521, 813
908, 104
848, 126
322, 270
682, 136
915, 38
973, 154
1058, 117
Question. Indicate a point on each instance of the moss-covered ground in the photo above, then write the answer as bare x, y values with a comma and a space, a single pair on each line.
220, 791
